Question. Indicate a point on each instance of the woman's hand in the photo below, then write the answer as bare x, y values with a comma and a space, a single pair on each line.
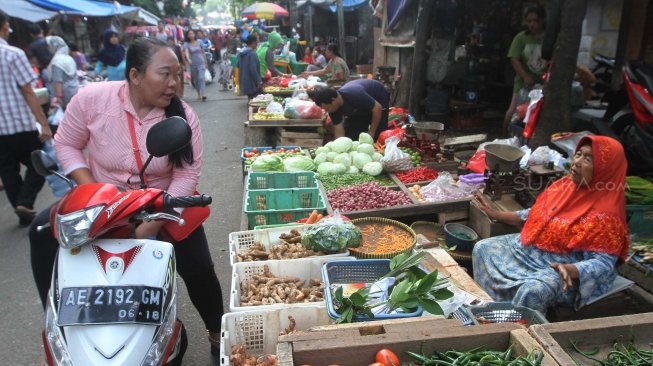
529, 80
148, 230
490, 211
568, 274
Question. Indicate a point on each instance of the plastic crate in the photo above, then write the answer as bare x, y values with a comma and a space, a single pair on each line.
258, 330
304, 269
639, 219
273, 180
505, 312
464, 315
280, 206
359, 271
264, 148
242, 240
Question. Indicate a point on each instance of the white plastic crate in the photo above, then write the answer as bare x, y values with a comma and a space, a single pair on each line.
304, 269
258, 330
241, 240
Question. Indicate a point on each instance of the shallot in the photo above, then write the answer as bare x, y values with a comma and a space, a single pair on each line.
366, 196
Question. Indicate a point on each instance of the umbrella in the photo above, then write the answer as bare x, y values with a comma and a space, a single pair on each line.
264, 11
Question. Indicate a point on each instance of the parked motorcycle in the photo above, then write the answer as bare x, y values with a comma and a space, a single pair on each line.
635, 126
210, 66
113, 299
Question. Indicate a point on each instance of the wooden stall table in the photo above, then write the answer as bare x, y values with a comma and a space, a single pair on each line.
273, 132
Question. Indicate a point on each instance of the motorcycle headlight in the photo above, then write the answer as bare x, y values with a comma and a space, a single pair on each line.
55, 343
73, 228
162, 338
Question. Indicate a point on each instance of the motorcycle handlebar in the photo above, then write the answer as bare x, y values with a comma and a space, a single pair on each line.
198, 200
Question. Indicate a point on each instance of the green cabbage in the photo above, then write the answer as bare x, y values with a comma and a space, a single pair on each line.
299, 163
366, 149
377, 156
320, 158
354, 145
268, 163
343, 159
331, 155
322, 149
374, 168
341, 144
365, 138
353, 170
329, 168
360, 159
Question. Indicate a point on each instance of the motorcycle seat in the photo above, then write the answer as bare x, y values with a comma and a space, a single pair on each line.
604, 59
644, 75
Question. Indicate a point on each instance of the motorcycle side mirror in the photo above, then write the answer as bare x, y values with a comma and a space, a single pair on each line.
45, 165
164, 138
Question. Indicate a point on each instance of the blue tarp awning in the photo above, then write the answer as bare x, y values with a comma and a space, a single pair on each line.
85, 7
347, 5
26, 11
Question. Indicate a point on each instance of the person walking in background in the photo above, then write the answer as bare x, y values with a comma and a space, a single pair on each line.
161, 31
308, 55
112, 55
235, 41
80, 58
525, 55
336, 69
38, 48
265, 53
198, 64
181, 56
249, 80
62, 73
18, 133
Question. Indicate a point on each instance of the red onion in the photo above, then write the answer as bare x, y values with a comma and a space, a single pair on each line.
366, 196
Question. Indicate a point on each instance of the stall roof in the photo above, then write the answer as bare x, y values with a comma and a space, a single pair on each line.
23, 9
348, 5
84, 7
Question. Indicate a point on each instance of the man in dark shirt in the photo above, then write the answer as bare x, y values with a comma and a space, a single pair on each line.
358, 106
39, 48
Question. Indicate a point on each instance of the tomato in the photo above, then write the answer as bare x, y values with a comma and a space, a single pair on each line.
376, 364
387, 358
255, 150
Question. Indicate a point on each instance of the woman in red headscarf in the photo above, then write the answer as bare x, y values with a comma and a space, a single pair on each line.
572, 238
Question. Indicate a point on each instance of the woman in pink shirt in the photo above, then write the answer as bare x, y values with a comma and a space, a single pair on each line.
96, 121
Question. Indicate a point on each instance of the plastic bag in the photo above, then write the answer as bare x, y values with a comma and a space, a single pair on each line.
274, 107
56, 117
533, 112
395, 160
59, 186
442, 189
331, 235
302, 109
543, 154
477, 163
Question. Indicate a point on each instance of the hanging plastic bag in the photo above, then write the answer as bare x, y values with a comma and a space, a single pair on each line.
395, 160
442, 189
477, 163
533, 112
56, 117
393, 130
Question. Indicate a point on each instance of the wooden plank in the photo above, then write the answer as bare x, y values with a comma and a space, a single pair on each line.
485, 227
464, 281
445, 217
638, 273
284, 354
303, 142
411, 210
462, 140
441, 257
281, 122
300, 135
524, 344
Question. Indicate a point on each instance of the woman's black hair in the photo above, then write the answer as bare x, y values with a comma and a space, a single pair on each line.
333, 48
323, 95
139, 56
186, 39
72, 46
539, 11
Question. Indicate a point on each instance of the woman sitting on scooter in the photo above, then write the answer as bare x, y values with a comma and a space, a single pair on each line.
97, 121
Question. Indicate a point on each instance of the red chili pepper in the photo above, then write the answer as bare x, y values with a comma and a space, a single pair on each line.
419, 174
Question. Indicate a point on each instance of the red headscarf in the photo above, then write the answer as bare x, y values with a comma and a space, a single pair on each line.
568, 218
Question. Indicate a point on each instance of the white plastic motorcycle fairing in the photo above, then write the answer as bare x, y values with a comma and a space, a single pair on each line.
151, 264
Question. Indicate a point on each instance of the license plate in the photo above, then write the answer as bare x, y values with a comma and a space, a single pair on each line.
110, 304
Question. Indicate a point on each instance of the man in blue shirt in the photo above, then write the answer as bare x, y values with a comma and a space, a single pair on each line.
359, 106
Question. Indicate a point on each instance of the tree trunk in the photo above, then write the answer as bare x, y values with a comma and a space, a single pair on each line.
556, 111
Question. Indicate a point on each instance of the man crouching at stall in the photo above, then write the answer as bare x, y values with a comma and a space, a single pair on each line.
358, 106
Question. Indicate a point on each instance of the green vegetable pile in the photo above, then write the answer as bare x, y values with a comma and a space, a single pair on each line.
626, 355
344, 156
331, 182
478, 356
639, 191
331, 235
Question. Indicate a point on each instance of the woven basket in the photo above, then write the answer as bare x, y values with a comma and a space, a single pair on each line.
382, 220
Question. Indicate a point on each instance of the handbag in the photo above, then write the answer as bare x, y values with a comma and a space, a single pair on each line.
192, 216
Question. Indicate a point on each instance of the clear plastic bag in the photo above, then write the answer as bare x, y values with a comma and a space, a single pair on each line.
331, 235
395, 160
442, 189
302, 109
274, 107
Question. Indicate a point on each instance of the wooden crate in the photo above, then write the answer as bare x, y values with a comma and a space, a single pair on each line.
485, 227
590, 333
303, 139
333, 344
635, 271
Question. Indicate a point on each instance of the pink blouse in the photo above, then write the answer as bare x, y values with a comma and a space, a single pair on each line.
96, 120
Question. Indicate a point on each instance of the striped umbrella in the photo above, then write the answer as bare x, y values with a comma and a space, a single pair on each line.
264, 11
